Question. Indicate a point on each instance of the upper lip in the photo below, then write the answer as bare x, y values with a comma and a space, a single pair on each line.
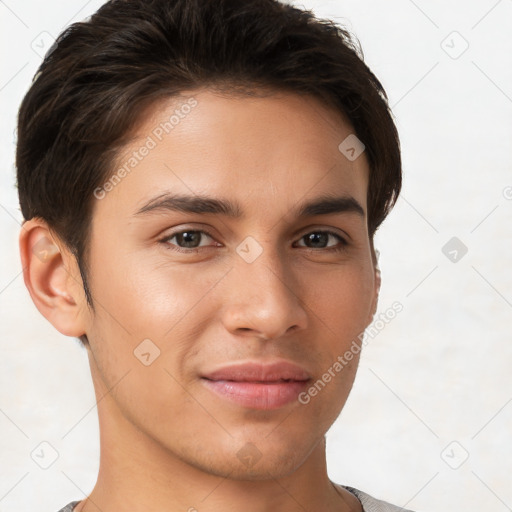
259, 372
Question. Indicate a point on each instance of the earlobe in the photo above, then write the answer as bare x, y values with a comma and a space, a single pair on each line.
48, 276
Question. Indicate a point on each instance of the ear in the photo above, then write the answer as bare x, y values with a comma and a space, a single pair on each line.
51, 277
377, 283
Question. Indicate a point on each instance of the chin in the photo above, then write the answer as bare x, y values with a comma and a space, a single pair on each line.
264, 469
265, 459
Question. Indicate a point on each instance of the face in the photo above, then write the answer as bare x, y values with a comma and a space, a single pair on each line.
184, 294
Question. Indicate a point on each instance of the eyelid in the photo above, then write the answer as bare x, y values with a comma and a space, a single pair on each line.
325, 229
325, 232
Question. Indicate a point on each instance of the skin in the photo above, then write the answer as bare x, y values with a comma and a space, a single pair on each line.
167, 442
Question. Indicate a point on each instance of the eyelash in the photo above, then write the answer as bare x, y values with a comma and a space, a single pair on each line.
184, 250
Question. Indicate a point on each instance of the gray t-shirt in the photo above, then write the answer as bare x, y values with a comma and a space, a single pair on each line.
369, 503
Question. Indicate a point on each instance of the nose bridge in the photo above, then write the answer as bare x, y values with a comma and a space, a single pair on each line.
264, 296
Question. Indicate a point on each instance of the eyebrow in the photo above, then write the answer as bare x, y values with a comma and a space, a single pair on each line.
201, 204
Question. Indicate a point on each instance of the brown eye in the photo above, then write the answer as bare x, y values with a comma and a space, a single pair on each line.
190, 239
320, 239
185, 239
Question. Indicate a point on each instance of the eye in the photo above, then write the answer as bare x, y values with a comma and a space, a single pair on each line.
320, 238
186, 239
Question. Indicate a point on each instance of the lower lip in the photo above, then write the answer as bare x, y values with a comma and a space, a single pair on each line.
257, 395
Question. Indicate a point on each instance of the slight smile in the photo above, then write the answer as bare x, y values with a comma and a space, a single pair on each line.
258, 385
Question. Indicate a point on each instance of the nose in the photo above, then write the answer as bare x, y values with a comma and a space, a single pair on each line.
264, 299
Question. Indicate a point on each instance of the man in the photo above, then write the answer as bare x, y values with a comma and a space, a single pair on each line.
201, 183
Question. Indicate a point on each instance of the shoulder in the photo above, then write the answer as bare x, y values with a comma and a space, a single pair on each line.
371, 504
70, 506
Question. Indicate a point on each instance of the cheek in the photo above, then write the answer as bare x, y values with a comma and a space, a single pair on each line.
150, 312
343, 300
149, 296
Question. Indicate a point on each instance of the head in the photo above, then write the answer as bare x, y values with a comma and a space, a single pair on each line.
255, 103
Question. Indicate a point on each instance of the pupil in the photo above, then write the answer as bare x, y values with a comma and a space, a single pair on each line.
314, 237
188, 237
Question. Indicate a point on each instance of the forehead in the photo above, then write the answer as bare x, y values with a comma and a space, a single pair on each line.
275, 149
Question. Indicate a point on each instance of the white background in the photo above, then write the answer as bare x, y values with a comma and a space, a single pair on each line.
429, 422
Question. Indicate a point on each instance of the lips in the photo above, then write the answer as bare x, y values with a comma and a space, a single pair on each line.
260, 372
258, 385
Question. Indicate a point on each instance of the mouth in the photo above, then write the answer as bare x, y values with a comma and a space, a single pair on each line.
256, 385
